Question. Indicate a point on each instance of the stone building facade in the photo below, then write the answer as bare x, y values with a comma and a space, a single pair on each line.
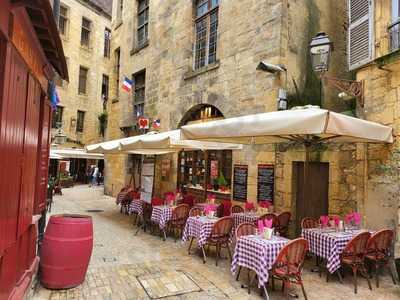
274, 31
83, 26
378, 66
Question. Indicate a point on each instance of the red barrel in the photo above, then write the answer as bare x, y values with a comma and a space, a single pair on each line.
66, 250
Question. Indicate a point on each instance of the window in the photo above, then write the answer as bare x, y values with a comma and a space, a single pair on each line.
104, 87
117, 55
82, 86
56, 121
63, 20
143, 22
85, 33
120, 8
80, 120
107, 42
139, 82
206, 25
394, 27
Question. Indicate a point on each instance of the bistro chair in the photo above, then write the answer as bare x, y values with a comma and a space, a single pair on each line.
289, 264
236, 209
178, 220
146, 217
269, 216
307, 223
219, 237
189, 200
378, 252
283, 223
195, 211
353, 256
243, 230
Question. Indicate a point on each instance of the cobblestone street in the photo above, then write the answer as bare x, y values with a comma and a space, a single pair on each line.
125, 266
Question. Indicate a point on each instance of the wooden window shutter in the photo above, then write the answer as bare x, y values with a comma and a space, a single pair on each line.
360, 33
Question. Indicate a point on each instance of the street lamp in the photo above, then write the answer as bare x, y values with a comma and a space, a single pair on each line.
320, 50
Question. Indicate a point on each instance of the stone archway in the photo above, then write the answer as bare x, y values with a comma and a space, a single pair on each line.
201, 113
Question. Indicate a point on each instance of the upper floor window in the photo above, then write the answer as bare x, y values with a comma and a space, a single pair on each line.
80, 121
206, 24
82, 85
104, 87
107, 42
117, 57
85, 33
139, 80
56, 121
63, 20
143, 22
394, 27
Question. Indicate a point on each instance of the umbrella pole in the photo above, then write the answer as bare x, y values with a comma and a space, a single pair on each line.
205, 174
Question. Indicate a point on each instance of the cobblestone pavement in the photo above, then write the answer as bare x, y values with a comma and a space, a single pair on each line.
125, 266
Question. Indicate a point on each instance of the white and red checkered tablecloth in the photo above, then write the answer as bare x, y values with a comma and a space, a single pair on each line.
161, 215
240, 218
328, 244
258, 254
136, 206
199, 228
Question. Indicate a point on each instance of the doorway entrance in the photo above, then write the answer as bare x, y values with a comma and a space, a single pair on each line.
312, 196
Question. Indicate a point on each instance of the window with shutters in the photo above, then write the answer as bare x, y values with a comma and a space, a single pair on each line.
80, 121
360, 37
82, 85
139, 83
117, 57
394, 27
56, 121
143, 22
85, 32
107, 42
63, 20
206, 24
104, 87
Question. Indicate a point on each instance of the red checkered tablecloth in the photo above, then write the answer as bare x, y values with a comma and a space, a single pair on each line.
328, 244
136, 206
199, 228
161, 215
240, 218
255, 253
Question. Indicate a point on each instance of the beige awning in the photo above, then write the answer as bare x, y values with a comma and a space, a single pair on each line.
74, 153
301, 125
156, 143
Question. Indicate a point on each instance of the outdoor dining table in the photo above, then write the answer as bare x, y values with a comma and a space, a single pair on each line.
240, 218
201, 205
161, 215
328, 243
136, 206
257, 254
198, 227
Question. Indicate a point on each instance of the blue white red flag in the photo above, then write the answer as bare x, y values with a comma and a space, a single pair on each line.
127, 84
156, 124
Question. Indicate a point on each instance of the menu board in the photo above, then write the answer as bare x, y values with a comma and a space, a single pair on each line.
265, 182
147, 182
240, 174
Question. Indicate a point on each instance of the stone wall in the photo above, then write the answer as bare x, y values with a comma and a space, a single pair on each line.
91, 58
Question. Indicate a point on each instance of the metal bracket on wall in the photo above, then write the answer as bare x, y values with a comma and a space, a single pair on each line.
351, 87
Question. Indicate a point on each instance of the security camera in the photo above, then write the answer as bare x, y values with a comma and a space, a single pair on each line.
270, 68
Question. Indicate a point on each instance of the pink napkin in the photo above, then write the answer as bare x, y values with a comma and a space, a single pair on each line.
348, 218
336, 220
249, 206
357, 218
260, 226
265, 204
210, 208
169, 198
324, 220
268, 223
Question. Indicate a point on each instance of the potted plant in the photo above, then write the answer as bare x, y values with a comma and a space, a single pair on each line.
221, 182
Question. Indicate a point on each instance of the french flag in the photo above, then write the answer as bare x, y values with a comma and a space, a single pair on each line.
127, 84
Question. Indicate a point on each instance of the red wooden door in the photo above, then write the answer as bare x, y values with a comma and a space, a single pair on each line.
12, 124
30, 155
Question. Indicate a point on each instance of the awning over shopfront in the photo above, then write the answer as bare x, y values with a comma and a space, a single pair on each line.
304, 125
74, 153
157, 143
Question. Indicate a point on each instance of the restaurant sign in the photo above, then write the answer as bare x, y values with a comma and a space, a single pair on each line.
240, 175
265, 182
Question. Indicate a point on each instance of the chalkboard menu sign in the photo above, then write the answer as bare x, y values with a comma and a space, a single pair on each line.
265, 182
240, 174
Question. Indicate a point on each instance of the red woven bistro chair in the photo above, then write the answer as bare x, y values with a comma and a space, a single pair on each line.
353, 256
236, 209
378, 252
283, 223
219, 237
178, 219
289, 264
189, 200
244, 229
195, 211
269, 216
307, 223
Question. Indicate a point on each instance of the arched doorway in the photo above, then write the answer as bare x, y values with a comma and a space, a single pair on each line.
204, 172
